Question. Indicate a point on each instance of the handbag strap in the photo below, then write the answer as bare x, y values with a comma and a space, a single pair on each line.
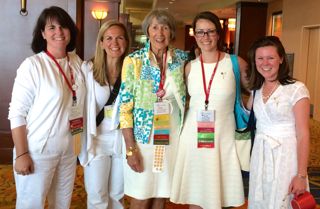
114, 93
236, 72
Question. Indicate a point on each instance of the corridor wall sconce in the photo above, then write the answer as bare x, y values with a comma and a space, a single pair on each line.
191, 33
232, 24
222, 23
23, 10
99, 15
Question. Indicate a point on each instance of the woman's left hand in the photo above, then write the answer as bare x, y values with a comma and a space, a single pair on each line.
298, 185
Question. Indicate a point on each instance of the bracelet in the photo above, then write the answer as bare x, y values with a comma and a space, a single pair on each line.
131, 150
21, 155
301, 176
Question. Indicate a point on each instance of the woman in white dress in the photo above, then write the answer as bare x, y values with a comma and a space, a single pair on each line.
101, 155
280, 153
151, 112
207, 173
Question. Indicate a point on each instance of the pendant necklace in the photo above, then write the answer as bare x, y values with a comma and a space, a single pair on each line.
265, 98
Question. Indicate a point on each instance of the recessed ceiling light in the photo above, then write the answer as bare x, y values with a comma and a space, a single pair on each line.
170, 2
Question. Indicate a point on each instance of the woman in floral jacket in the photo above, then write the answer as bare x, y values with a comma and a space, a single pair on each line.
152, 99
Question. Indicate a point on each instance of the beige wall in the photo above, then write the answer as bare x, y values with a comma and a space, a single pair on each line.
298, 14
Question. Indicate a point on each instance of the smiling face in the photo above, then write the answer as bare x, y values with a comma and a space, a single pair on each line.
56, 36
159, 35
114, 42
267, 62
206, 35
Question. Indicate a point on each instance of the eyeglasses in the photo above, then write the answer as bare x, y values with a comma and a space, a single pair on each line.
202, 33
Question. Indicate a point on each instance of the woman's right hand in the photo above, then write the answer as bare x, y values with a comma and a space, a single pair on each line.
136, 161
24, 165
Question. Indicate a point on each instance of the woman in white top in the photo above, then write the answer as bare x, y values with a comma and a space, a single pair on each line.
46, 114
279, 159
101, 153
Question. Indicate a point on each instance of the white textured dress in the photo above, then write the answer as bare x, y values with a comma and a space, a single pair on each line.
149, 184
274, 154
209, 177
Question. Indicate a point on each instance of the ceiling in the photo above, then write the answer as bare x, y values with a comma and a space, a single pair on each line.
183, 10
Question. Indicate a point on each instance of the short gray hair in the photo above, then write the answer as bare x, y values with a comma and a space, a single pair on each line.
163, 17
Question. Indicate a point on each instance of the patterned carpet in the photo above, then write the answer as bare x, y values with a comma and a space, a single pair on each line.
7, 187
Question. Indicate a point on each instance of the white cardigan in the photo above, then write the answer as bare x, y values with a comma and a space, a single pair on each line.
89, 150
41, 99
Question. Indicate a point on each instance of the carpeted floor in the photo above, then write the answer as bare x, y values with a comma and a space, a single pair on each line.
7, 187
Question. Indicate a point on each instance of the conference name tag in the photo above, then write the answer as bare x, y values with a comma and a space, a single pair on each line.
161, 123
76, 120
205, 128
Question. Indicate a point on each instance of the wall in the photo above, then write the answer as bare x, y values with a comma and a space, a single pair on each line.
296, 15
15, 40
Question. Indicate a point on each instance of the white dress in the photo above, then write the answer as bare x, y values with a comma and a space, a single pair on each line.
274, 154
148, 184
209, 177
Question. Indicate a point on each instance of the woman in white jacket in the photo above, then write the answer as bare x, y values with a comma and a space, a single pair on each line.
101, 154
46, 114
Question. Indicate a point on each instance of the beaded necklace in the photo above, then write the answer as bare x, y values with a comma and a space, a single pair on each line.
265, 98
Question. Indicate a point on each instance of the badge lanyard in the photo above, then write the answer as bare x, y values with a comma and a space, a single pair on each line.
71, 85
207, 91
161, 92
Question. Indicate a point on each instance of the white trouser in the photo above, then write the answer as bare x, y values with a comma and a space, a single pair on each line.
53, 177
103, 178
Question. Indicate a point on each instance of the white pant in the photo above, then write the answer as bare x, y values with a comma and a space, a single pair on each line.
53, 177
103, 178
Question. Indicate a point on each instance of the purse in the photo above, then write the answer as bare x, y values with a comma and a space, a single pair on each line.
245, 122
303, 201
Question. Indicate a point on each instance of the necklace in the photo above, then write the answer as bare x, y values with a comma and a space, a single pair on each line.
266, 97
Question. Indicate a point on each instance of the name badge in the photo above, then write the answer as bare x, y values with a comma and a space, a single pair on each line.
161, 123
76, 120
205, 128
108, 111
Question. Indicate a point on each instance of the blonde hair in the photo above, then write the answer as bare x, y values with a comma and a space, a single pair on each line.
100, 58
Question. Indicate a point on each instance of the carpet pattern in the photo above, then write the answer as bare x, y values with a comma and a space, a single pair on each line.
8, 194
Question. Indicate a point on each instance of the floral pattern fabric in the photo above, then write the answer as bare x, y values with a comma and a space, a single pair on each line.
140, 82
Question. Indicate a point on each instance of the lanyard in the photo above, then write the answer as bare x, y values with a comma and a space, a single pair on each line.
71, 85
161, 91
207, 91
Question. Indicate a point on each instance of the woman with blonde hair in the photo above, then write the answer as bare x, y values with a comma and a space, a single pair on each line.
101, 152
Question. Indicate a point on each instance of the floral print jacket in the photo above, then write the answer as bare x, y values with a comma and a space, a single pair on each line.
140, 82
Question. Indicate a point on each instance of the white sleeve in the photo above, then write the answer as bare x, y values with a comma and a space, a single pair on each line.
301, 92
23, 93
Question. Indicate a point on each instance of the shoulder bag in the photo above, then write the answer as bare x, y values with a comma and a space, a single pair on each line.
245, 122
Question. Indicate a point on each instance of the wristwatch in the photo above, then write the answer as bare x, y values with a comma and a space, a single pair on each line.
131, 150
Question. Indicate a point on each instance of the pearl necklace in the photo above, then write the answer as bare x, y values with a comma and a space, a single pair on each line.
265, 98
